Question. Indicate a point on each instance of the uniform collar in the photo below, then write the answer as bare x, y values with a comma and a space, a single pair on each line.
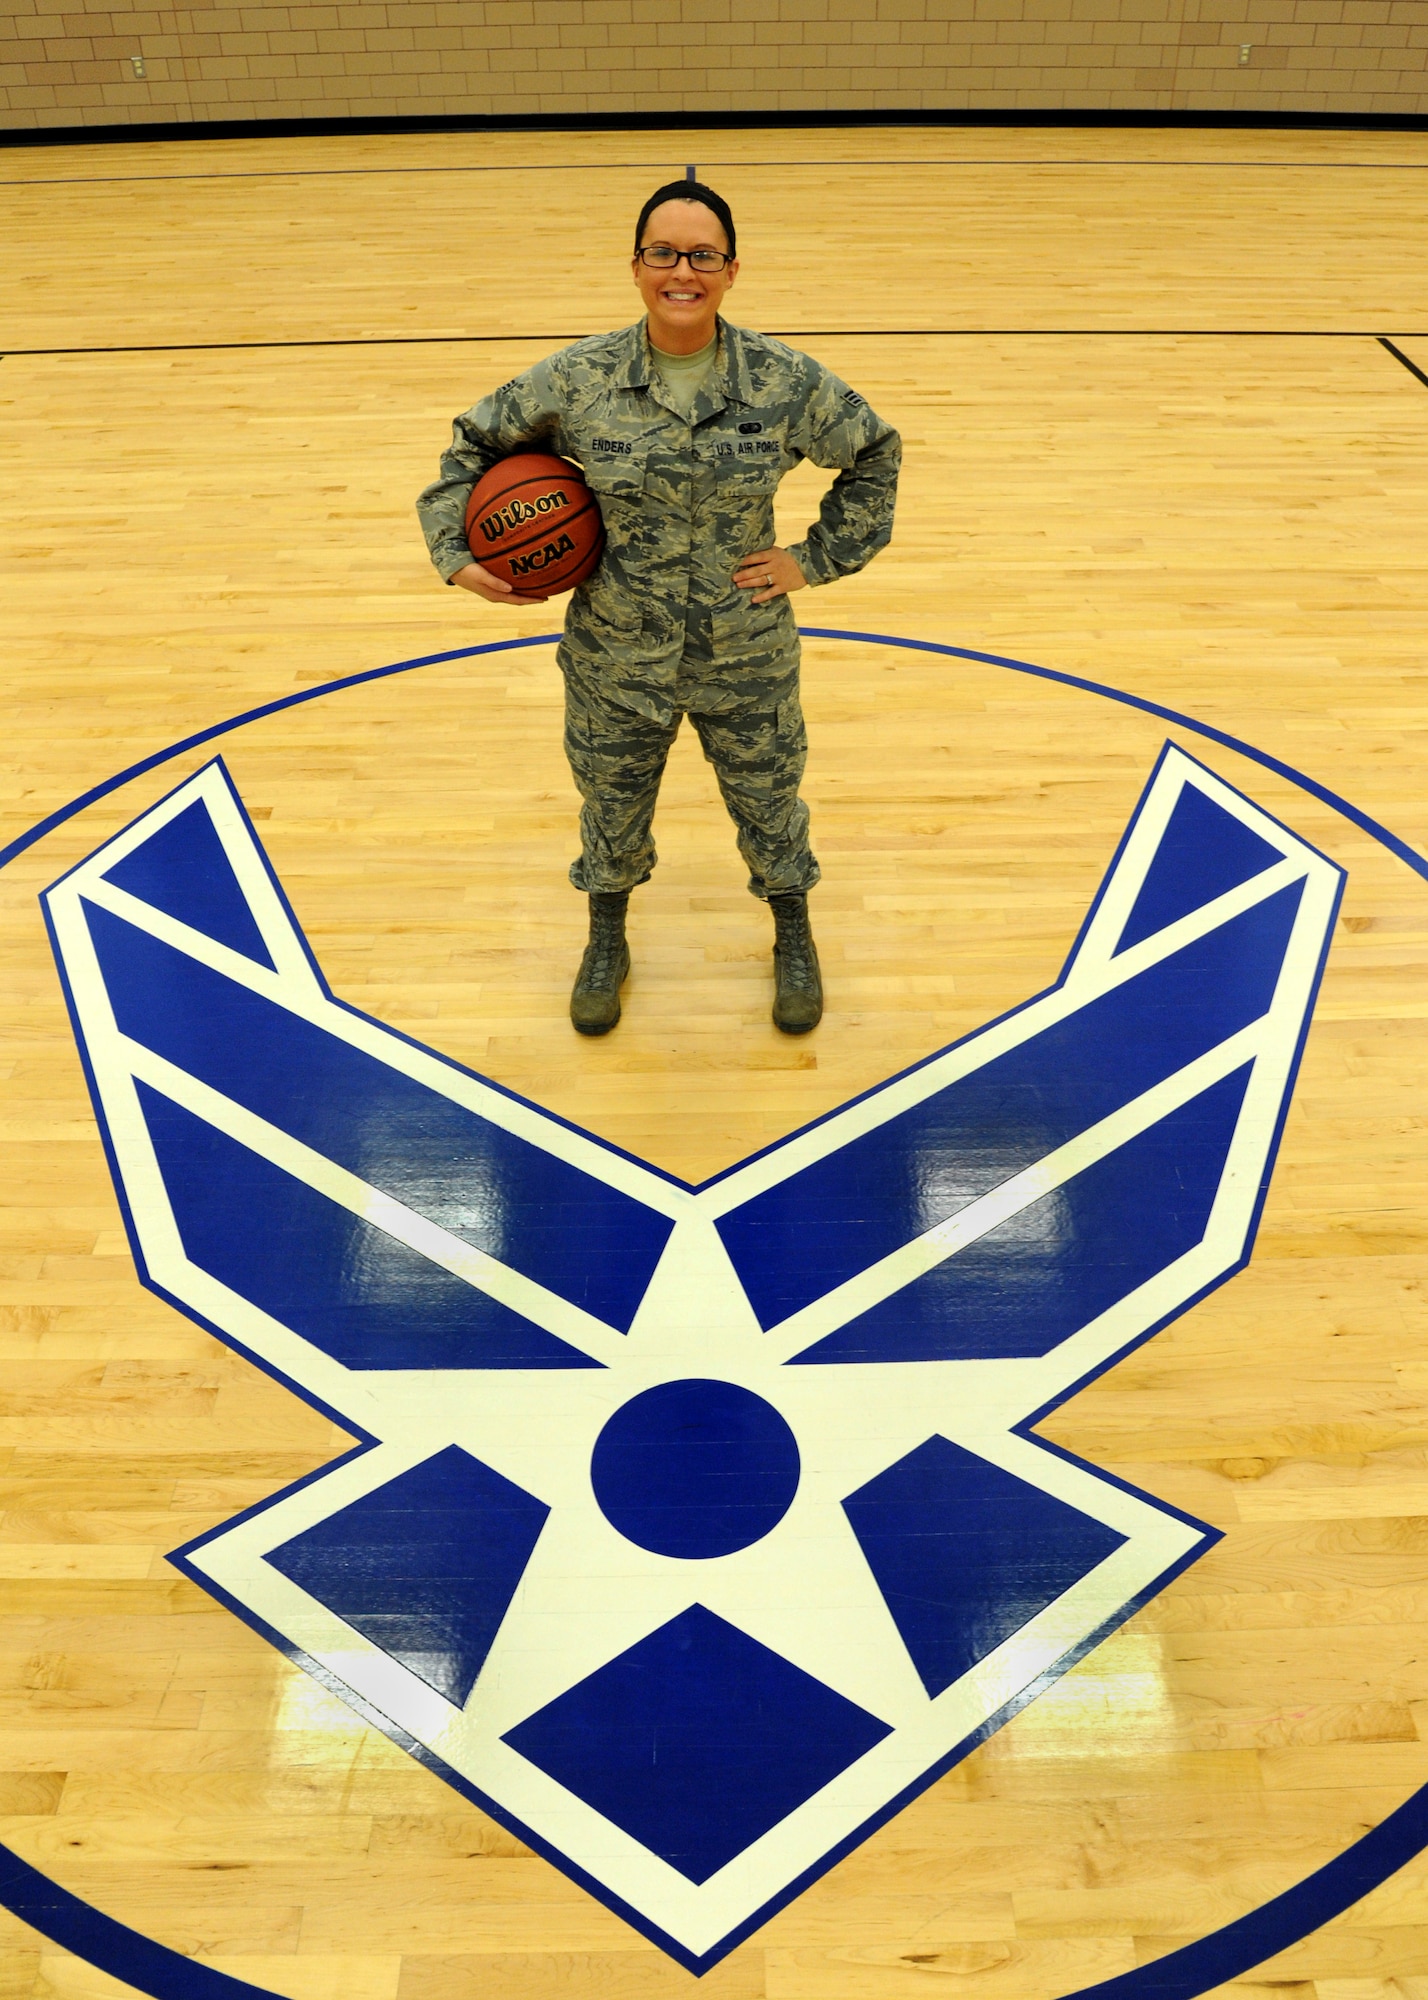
732, 373
729, 383
632, 366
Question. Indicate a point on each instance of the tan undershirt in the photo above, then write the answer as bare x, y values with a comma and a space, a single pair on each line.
684, 375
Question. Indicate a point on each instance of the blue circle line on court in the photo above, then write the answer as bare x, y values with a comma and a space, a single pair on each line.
1183, 1974
215, 729
1379, 832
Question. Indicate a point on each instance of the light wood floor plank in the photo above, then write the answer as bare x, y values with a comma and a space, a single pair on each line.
1228, 526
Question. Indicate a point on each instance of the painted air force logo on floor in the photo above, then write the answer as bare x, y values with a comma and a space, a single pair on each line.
694, 1530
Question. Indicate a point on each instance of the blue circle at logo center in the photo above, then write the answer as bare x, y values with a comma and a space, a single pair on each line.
695, 1469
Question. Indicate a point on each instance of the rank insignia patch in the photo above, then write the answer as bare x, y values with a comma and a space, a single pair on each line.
693, 1531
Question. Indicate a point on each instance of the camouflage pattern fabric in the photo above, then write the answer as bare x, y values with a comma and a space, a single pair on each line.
683, 502
661, 629
617, 756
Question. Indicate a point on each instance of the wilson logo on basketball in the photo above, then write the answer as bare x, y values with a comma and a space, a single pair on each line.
538, 558
518, 512
542, 518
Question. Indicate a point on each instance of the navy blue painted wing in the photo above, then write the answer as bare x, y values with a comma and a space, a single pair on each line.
1112, 1108
379, 1203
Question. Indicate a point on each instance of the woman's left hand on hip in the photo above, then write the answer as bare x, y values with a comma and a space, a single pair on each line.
769, 573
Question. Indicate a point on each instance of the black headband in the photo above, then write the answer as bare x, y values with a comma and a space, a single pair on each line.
689, 191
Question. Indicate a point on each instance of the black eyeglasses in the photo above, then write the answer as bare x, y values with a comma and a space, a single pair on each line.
664, 257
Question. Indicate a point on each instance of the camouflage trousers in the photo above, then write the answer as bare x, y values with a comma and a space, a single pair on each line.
618, 757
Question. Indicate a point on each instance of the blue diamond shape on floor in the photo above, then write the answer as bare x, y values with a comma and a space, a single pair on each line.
1203, 852
425, 1567
965, 1553
697, 1740
183, 870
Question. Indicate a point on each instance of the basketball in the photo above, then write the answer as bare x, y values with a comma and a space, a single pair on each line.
533, 522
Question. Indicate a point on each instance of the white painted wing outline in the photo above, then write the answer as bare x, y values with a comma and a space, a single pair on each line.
695, 1923
1092, 969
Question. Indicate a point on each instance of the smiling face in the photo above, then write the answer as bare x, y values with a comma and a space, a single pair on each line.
682, 303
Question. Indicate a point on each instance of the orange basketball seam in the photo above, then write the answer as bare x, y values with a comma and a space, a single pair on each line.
559, 468
563, 524
498, 491
491, 509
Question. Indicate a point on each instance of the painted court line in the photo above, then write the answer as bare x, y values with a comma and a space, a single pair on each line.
1180, 1974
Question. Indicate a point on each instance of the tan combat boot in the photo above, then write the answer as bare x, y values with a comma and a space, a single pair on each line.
595, 999
798, 1002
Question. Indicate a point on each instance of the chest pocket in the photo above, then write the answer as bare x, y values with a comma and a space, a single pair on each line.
741, 481
763, 468
615, 481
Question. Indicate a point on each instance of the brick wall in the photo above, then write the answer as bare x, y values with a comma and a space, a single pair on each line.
67, 62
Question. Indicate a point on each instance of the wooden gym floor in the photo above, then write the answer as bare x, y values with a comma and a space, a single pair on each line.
1155, 438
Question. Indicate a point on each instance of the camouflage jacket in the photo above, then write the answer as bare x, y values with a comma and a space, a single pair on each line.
661, 623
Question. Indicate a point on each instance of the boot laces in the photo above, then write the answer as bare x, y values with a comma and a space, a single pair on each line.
793, 936
607, 941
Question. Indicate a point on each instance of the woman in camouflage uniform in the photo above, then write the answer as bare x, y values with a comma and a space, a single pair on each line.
684, 425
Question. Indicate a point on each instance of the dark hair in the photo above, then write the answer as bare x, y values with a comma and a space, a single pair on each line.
688, 191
